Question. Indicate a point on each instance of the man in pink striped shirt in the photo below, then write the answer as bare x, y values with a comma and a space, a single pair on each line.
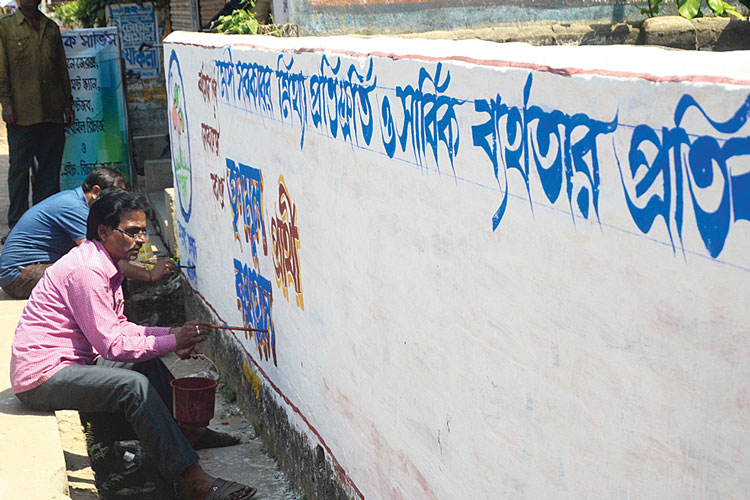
74, 349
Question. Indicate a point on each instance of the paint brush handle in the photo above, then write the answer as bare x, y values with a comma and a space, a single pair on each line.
178, 266
240, 328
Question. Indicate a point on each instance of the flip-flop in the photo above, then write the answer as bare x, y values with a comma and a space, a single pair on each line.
214, 439
223, 489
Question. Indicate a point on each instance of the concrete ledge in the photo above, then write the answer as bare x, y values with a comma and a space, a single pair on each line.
545, 33
158, 175
169, 232
705, 33
32, 465
708, 33
149, 147
162, 203
160, 193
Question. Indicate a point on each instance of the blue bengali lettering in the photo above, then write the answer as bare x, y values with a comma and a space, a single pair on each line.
292, 95
254, 87
429, 118
344, 105
700, 162
255, 301
189, 255
245, 190
225, 78
533, 137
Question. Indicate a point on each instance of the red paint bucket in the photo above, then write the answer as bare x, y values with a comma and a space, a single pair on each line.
193, 400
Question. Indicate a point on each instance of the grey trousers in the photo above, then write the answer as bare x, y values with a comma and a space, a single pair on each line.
45, 142
125, 388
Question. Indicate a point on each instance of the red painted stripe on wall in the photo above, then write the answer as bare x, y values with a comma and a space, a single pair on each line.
497, 63
337, 467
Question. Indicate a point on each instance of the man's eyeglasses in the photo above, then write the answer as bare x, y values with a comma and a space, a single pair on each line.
141, 233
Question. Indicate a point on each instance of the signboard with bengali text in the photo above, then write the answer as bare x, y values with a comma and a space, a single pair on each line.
138, 36
99, 135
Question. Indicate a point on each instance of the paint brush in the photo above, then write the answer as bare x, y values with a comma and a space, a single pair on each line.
176, 266
240, 328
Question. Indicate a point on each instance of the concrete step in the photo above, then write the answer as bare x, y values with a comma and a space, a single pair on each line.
157, 175
162, 203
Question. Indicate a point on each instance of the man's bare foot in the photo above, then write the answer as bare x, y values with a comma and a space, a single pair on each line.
202, 437
200, 484
192, 434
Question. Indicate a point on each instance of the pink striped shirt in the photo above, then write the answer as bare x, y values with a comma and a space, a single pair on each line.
74, 313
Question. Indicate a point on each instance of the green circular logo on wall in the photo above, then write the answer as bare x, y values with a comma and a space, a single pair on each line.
179, 137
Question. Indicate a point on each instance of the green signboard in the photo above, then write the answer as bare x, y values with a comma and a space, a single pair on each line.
99, 136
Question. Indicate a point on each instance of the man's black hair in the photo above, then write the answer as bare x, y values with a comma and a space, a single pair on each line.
105, 178
108, 208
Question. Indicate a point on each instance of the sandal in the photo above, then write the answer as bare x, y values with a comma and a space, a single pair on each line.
223, 490
214, 439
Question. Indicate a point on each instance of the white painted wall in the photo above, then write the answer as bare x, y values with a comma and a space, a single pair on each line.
563, 352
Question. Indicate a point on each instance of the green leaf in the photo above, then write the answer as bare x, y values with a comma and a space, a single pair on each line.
253, 23
689, 8
716, 6
731, 10
242, 21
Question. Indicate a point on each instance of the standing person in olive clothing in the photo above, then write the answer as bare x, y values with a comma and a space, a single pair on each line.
37, 103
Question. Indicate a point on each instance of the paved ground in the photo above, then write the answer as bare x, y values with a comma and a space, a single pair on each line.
247, 462
31, 462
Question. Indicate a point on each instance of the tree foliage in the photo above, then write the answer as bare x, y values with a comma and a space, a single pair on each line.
88, 13
690, 9
69, 13
242, 21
